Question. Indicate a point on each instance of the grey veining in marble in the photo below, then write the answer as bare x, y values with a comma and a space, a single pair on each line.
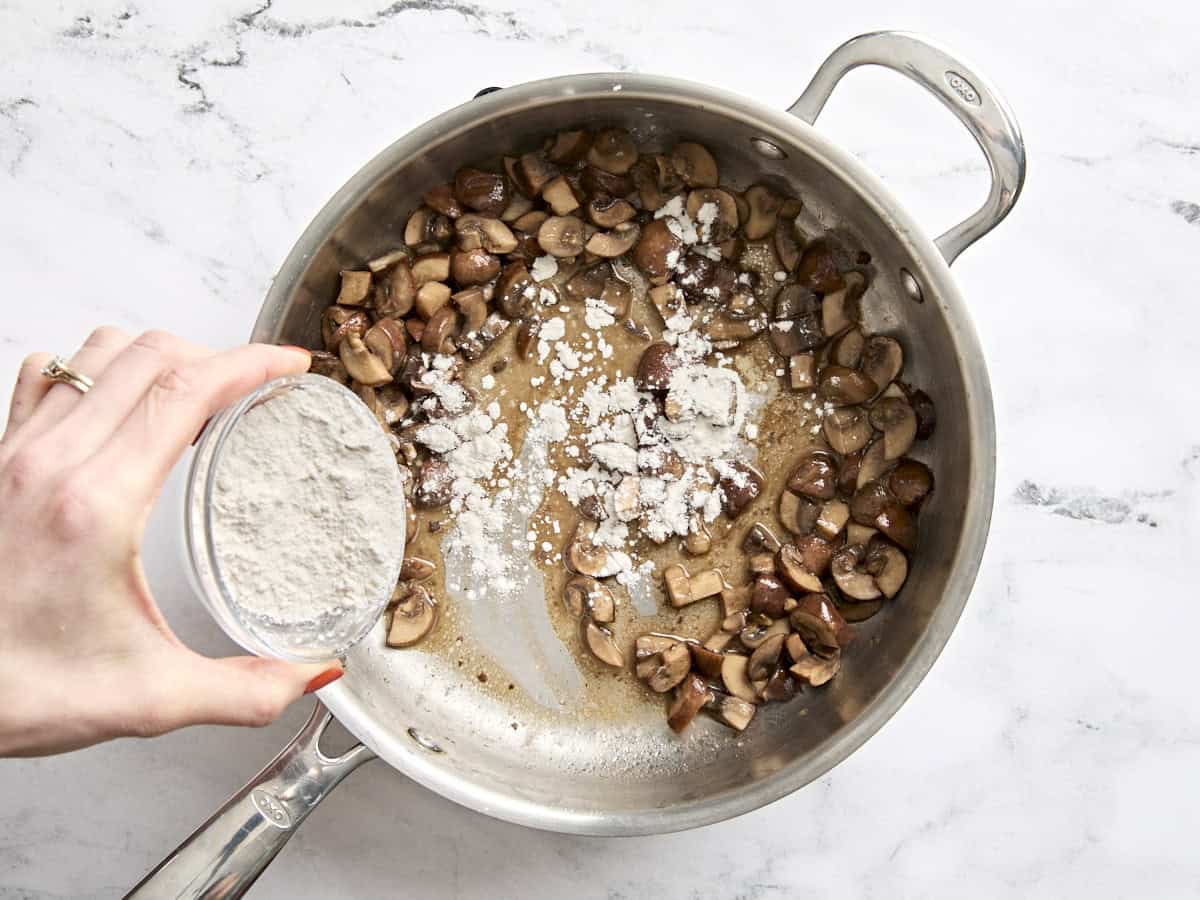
157, 160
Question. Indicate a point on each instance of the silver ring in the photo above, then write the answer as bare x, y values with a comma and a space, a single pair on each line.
58, 371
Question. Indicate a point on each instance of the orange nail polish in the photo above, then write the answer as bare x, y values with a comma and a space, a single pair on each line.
329, 676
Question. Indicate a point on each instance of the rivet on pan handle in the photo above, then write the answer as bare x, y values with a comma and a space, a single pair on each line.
225, 855
968, 95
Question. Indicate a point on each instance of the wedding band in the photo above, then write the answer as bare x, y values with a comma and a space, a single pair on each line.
58, 371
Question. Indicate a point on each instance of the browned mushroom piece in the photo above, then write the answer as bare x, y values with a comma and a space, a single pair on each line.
896, 419
758, 628
587, 596
399, 289
355, 288
706, 660
787, 247
668, 300
735, 600
765, 658
477, 266
440, 331
695, 165
619, 241
386, 339
434, 484
735, 677
714, 212
527, 336
731, 711
847, 429
569, 147
768, 595
802, 372
363, 365
764, 206
888, 565
599, 641
760, 538
789, 563
741, 484
761, 564
596, 181
514, 290
425, 226
818, 268
473, 305
562, 236
431, 267
821, 626
868, 501
845, 387
484, 192
846, 349
431, 297
531, 172
849, 575
922, 405
815, 553
475, 231
657, 251
839, 309
587, 282
329, 365
656, 367
441, 199
646, 650
339, 321
815, 475
413, 616
666, 668
872, 464
898, 524
781, 686
613, 150
833, 518
416, 569
530, 223
910, 482
690, 697
606, 211
882, 360
816, 670
560, 196
584, 557
798, 514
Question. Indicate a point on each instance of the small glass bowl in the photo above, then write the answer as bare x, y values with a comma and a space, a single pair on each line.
325, 639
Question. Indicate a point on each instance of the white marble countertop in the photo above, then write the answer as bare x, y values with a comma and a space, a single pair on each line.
158, 160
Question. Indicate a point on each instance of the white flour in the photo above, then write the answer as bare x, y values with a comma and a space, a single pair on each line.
308, 511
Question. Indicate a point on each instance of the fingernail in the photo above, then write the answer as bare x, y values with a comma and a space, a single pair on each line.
329, 676
303, 350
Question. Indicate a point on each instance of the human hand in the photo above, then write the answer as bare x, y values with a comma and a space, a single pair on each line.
85, 653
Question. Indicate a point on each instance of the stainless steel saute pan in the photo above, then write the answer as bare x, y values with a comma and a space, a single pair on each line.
639, 778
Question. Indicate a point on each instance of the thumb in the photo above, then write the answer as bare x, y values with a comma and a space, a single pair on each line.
242, 690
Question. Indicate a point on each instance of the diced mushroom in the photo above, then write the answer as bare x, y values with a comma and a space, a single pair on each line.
657, 365
735, 622
477, 266
848, 574
732, 711
698, 541
859, 534
791, 337
922, 405
363, 365
706, 661
657, 251
872, 465
416, 569
896, 419
787, 248
518, 205
431, 297
387, 260
386, 340
718, 641
569, 147
854, 611
600, 641
531, 172
413, 617
560, 196
584, 557
888, 565
833, 518
441, 198
868, 501
431, 267
781, 686
475, 232
606, 211
427, 227
735, 677
845, 387
647, 650
617, 296
789, 562
898, 524
562, 236
818, 268
484, 192
399, 290
815, 553
514, 290
764, 206
815, 476
714, 212
440, 330
473, 306
769, 596
613, 150
690, 697
760, 537
818, 622
839, 308
668, 300
802, 372
847, 429
910, 482
798, 514
695, 165
735, 600
329, 365
764, 659
741, 484
435, 484
587, 596
666, 668
356, 287
531, 222
759, 629
627, 498
614, 243
847, 348
816, 670
339, 321
882, 360
761, 564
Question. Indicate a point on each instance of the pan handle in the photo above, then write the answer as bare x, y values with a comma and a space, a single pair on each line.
224, 856
968, 95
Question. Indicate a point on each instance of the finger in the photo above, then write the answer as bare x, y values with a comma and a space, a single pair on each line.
100, 348
175, 406
97, 415
240, 690
30, 388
